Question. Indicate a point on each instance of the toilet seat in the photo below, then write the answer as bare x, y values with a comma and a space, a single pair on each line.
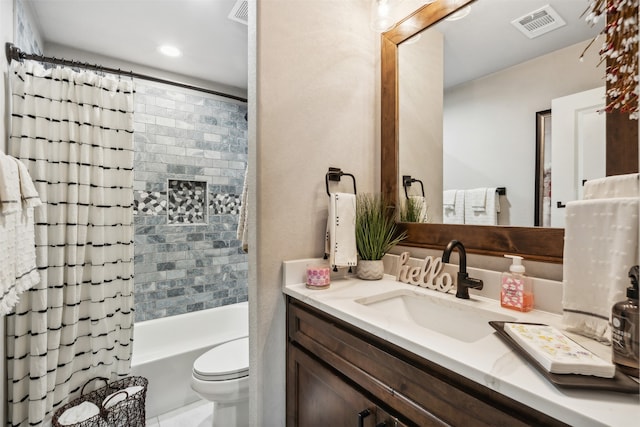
227, 361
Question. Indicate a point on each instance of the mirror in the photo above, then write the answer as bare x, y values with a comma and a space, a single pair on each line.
542, 191
533, 243
467, 109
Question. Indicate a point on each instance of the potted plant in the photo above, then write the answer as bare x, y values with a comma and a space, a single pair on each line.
376, 234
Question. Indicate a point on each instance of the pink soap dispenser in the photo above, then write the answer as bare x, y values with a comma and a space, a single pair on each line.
516, 291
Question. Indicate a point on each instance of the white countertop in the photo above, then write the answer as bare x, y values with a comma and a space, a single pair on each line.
488, 361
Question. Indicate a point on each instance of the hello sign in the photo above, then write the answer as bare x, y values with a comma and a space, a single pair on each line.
429, 275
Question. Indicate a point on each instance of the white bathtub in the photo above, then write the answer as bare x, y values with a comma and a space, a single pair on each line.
164, 351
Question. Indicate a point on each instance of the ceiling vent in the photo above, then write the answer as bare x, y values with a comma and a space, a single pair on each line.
240, 12
539, 22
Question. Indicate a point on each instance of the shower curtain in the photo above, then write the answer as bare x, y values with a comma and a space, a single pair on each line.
74, 131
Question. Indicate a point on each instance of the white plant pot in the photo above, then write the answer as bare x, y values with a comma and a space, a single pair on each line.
370, 270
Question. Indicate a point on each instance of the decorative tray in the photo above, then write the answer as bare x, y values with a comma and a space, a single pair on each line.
620, 383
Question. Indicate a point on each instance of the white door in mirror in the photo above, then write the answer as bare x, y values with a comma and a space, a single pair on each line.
578, 149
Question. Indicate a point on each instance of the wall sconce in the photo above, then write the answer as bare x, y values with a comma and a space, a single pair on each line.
381, 15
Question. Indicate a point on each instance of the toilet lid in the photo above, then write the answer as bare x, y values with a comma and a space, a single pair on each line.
224, 362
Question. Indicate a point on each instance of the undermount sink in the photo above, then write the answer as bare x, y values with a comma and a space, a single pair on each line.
450, 317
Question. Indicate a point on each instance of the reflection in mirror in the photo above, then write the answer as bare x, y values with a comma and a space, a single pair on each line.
466, 111
543, 169
420, 109
413, 207
579, 129
534, 243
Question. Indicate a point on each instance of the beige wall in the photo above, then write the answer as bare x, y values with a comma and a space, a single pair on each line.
6, 35
317, 105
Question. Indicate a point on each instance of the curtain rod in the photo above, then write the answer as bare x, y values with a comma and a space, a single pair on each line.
15, 53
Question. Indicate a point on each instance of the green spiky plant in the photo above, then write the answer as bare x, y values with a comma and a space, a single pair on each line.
376, 231
411, 211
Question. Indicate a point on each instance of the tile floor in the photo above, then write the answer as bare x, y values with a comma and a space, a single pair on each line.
197, 414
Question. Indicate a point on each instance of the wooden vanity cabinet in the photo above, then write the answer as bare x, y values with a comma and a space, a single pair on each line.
336, 371
325, 399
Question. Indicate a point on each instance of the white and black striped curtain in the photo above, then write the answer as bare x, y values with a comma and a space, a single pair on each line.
74, 131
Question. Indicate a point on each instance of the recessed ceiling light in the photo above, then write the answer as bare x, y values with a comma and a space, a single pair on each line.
459, 14
169, 50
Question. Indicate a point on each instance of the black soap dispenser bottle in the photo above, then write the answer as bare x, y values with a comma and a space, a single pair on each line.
625, 329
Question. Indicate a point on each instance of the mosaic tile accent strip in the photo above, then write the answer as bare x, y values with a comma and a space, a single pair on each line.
224, 204
149, 203
187, 202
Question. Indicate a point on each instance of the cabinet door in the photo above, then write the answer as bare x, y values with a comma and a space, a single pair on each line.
318, 397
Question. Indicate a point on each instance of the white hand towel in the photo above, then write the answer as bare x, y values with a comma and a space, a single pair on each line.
28, 193
487, 216
341, 230
449, 199
18, 271
477, 199
455, 215
612, 186
422, 202
10, 199
600, 246
78, 414
8, 250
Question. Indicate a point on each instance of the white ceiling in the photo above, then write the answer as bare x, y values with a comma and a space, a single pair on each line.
215, 47
486, 41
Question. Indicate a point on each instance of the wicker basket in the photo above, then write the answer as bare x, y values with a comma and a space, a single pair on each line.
129, 412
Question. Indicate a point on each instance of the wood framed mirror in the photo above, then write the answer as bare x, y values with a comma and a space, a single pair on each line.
541, 244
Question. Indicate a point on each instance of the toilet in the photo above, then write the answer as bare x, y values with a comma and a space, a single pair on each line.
221, 376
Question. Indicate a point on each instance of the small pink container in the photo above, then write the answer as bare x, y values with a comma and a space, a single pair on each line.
318, 277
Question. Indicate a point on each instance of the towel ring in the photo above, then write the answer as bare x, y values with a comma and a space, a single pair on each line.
335, 174
407, 181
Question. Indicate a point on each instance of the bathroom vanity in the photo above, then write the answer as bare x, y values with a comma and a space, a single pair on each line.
354, 359
338, 374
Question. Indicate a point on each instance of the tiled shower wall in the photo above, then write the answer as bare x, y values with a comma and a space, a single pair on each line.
190, 158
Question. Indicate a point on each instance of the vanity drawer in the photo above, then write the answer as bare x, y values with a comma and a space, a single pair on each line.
415, 390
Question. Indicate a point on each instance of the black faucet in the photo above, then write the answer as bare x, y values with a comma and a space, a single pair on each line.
464, 281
